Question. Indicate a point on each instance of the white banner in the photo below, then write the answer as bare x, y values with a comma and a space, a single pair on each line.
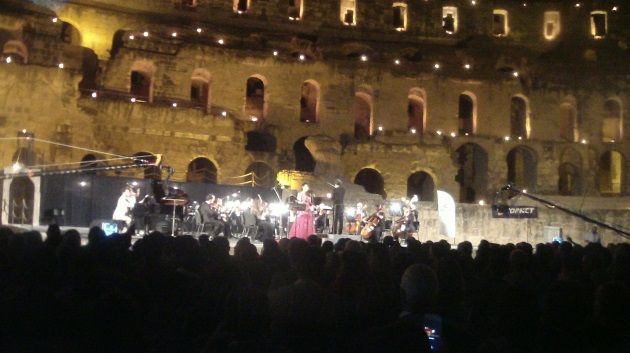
446, 214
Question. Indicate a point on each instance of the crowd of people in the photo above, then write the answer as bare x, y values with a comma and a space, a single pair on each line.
182, 294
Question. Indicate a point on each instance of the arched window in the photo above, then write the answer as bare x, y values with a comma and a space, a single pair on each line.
14, 51
519, 116
472, 174
599, 24
151, 171
612, 122
240, 6
522, 168
200, 88
570, 173
421, 184
611, 173
202, 170
255, 103
371, 180
467, 113
362, 111
264, 175
304, 160
347, 12
416, 110
142, 73
568, 120
295, 10
551, 28
309, 102
260, 141
70, 34
399, 16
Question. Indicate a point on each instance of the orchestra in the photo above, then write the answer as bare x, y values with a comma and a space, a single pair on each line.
299, 216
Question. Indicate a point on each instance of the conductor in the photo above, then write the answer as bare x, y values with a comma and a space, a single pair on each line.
337, 195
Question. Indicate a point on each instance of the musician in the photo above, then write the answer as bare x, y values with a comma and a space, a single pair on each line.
125, 204
405, 225
337, 197
378, 229
260, 209
304, 224
210, 216
359, 217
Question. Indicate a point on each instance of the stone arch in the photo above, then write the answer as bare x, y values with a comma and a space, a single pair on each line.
304, 160
16, 50
150, 171
261, 141
519, 116
256, 97
417, 110
21, 200
142, 80
200, 90
241, 6
570, 173
422, 184
348, 12
295, 10
472, 174
363, 116
467, 113
265, 176
569, 120
70, 33
612, 120
371, 180
611, 173
118, 41
201, 169
309, 102
522, 168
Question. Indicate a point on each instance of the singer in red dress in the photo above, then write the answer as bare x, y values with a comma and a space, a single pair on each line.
304, 222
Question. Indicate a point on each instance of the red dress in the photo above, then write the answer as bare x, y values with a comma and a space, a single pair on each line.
304, 223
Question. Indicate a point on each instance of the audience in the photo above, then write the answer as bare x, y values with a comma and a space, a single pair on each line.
181, 294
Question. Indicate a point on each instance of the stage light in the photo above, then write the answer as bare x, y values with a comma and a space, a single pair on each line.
507, 138
8, 60
132, 37
94, 95
439, 132
199, 29
133, 100
134, 183
380, 128
520, 138
614, 8
413, 130
394, 207
436, 66
83, 183
364, 58
145, 33
224, 113
584, 142
481, 202
577, 4
473, 2
350, 211
397, 62
453, 134
466, 134
329, 195
302, 57
174, 105
61, 65
221, 41
467, 66
174, 34
55, 19
16, 167
515, 73
524, 191
254, 119
524, 4
275, 53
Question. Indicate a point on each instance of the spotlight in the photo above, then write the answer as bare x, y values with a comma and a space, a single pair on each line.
436, 66
221, 41
397, 62
584, 142
520, 138
55, 19
94, 95
61, 65
473, 2
453, 134
83, 183
224, 113
134, 183
8, 60
507, 138
364, 58
132, 37
174, 34
145, 33
481, 202
275, 53
466, 134
515, 73
577, 4
413, 130
199, 29
380, 128
524, 4
174, 105
439, 132
467, 66
254, 119
302, 57
614, 8
524, 191
329, 195
133, 100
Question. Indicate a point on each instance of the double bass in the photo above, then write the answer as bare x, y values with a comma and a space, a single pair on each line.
370, 224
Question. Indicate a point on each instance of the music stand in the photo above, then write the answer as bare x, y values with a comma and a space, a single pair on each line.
174, 203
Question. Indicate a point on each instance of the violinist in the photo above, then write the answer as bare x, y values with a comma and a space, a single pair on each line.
260, 209
210, 216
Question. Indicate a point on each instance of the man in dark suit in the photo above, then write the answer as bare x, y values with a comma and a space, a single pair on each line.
210, 216
338, 210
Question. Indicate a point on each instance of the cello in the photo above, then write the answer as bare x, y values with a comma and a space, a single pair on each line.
371, 223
